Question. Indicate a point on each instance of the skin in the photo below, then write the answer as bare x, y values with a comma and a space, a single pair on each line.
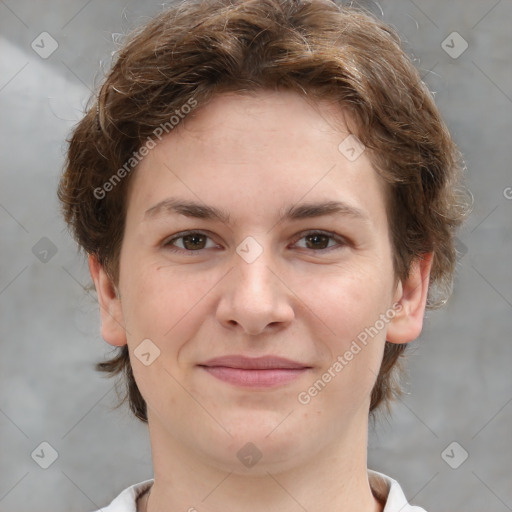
253, 156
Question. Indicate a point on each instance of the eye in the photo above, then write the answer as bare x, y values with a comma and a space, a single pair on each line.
195, 241
191, 241
319, 240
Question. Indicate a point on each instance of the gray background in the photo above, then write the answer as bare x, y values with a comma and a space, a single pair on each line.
460, 379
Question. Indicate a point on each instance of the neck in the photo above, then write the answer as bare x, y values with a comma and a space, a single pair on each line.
333, 480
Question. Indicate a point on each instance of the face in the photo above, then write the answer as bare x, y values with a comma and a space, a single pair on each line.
297, 264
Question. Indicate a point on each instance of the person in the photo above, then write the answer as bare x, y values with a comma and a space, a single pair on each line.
268, 198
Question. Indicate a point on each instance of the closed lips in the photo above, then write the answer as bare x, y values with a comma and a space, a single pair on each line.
259, 363
255, 373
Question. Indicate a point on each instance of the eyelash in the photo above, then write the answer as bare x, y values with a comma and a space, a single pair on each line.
168, 242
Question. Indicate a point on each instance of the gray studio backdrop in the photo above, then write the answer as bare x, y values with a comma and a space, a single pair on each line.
448, 442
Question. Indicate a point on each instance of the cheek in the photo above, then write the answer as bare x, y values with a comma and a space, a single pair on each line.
162, 300
350, 302
162, 305
351, 308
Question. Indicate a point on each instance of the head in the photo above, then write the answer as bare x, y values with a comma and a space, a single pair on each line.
245, 106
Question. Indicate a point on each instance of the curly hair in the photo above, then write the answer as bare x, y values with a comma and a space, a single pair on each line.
322, 50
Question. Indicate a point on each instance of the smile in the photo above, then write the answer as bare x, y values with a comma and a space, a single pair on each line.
255, 377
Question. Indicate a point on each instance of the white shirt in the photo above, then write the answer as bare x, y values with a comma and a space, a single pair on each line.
382, 485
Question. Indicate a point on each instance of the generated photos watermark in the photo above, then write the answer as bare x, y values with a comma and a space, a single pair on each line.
304, 397
137, 156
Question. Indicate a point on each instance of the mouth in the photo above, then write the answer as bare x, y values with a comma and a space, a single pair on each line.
266, 371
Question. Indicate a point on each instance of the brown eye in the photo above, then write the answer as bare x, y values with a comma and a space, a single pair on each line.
319, 241
187, 242
193, 242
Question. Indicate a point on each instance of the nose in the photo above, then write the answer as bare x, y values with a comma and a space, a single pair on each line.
254, 297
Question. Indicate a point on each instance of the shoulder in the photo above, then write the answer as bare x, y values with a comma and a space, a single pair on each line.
127, 499
389, 491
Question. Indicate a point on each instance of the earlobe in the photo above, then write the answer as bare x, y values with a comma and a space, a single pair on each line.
411, 295
112, 323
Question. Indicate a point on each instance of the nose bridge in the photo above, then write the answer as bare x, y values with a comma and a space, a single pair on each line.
254, 278
254, 297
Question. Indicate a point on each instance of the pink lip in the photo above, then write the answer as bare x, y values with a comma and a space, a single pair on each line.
254, 372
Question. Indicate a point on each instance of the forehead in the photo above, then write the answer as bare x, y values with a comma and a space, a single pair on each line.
259, 153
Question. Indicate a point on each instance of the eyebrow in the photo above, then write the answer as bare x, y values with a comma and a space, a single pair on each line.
174, 206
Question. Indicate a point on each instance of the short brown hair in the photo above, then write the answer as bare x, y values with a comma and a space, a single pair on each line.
198, 49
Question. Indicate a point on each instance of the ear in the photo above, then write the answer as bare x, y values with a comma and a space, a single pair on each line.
112, 324
411, 295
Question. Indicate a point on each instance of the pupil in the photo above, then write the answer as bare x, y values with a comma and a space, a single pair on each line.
194, 243
316, 237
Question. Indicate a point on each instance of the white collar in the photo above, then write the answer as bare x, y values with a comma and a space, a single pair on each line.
382, 485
